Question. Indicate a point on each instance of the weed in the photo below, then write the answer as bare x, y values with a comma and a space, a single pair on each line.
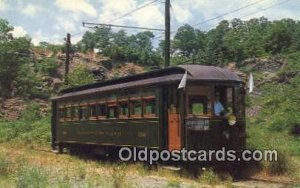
4, 164
173, 183
281, 165
30, 176
209, 176
118, 175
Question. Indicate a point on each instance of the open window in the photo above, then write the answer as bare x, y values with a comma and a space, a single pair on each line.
149, 104
101, 110
123, 109
225, 96
112, 109
61, 114
197, 105
74, 113
135, 108
92, 111
68, 113
83, 113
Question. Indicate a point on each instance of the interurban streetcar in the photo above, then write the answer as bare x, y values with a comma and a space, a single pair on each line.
148, 110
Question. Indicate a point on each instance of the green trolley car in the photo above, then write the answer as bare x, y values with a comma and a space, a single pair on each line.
148, 110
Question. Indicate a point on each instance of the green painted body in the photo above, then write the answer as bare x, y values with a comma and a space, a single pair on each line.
135, 132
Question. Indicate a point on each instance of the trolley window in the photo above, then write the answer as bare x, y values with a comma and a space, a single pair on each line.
197, 105
112, 109
92, 112
74, 111
101, 111
82, 113
149, 107
61, 114
135, 108
123, 109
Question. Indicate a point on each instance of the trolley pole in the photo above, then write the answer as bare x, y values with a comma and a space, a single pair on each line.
67, 62
167, 33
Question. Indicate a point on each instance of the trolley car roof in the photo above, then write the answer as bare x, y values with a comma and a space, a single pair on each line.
156, 77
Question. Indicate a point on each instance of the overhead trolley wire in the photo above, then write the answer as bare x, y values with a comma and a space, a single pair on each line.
134, 10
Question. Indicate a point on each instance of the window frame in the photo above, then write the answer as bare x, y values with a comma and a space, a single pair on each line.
109, 104
120, 114
84, 108
189, 114
131, 108
61, 113
94, 116
144, 101
101, 117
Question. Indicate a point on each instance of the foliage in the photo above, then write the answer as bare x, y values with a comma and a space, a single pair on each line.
50, 47
236, 40
31, 128
120, 47
47, 66
30, 85
79, 76
13, 53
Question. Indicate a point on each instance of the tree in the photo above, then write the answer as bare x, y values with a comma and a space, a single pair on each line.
13, 53
185, 41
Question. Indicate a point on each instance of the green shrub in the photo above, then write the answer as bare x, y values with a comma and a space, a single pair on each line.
31, 128
79, 76
48, 66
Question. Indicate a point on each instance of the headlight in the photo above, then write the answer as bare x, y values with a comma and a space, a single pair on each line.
231, 120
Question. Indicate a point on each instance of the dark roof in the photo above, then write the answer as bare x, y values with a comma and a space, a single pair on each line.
162, 76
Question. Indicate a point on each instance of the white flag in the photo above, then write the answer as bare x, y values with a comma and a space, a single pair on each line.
183, 81
250, 83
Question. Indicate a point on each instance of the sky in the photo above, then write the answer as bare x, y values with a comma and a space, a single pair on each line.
50, 20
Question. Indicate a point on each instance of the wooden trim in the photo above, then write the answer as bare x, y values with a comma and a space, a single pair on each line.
93, 118
136, 116
122, 100
111, 104
92, 103
148, 97
123, 117
135, 98
100, 102
150, 115
102, 117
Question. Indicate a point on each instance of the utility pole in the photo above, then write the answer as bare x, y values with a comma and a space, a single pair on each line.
167, 33
67, 62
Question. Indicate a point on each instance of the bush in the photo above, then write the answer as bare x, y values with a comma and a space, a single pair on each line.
30, 85
79, 76
48, 66
30, 128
